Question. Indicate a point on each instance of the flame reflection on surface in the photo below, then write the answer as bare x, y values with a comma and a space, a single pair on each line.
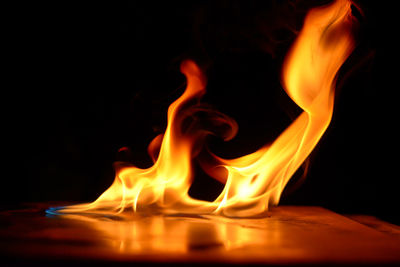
183, 234
290, 234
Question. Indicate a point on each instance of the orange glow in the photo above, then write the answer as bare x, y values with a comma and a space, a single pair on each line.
253, 182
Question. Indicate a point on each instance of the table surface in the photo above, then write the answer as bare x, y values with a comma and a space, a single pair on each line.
289, 235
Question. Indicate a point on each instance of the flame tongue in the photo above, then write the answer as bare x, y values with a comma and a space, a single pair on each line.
255, 181
169, 179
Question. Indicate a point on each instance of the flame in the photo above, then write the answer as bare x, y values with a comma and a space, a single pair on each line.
253, 182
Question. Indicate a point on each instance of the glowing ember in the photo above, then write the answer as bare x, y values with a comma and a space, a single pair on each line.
255, 181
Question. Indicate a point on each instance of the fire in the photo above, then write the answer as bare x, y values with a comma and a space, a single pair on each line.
253, 182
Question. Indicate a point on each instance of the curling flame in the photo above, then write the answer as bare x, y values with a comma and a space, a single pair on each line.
255, 181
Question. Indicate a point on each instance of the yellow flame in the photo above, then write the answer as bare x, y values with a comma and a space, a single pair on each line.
253, 182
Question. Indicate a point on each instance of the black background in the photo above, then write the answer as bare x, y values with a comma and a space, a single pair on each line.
85, 79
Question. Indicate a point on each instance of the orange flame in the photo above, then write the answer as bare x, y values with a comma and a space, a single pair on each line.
252, 182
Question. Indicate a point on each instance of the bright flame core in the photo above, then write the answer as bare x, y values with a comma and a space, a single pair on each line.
255, 181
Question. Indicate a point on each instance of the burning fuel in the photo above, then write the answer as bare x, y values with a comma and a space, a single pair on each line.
253, 182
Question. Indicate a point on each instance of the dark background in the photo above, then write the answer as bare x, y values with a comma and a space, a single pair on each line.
84, 80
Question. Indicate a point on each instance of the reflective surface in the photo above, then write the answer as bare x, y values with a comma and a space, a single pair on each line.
287, 235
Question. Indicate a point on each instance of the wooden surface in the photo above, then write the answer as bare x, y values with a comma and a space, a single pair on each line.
290, 235
376, 224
